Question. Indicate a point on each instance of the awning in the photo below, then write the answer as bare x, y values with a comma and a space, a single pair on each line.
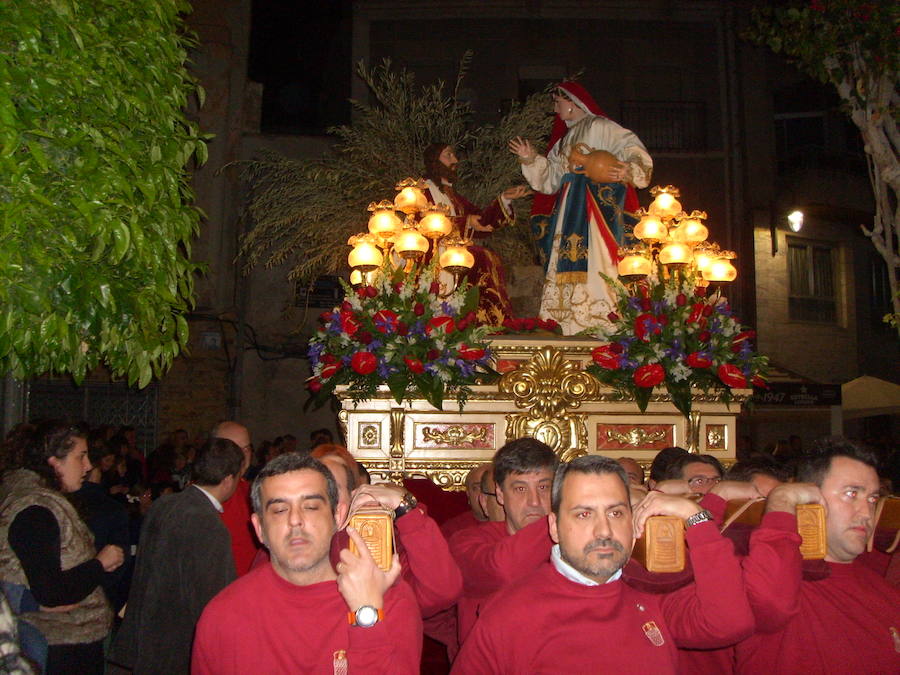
867, 396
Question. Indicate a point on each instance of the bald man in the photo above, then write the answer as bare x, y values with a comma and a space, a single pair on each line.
236, 511
488, 497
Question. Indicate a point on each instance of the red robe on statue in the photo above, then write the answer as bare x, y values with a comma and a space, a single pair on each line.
487, 273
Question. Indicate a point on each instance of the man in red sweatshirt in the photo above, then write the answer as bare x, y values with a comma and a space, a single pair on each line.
841, 618
492, 554
575, 614
298, 613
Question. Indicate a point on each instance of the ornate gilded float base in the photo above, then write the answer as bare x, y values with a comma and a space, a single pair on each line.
546, 394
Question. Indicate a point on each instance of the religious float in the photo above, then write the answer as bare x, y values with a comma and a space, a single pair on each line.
425, 392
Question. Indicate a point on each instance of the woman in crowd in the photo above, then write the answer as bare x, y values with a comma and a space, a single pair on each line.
47, 548
579, 238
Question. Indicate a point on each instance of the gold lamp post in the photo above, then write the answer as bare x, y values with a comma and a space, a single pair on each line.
423, 227
672, 241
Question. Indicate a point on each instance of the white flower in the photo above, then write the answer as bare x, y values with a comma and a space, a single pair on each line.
680, 372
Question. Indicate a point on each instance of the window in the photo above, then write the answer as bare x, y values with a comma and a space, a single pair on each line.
326, 292
879, 290
811, 290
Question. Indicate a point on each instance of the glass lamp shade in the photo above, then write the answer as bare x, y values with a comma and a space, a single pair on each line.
634, 266
702, 258
650, 228
675, 253
356, 278
720, 269
410, 200
384, 223
410, 244
435, 225
664, 206
692, 231
457, 259
365, 257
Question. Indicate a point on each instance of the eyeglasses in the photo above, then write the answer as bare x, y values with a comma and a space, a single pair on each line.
703, 481
492, 494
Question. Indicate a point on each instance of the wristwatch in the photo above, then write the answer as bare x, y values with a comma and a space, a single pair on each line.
407, 504
697, 518
366, 616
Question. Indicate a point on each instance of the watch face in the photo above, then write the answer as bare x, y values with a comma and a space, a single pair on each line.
366, 616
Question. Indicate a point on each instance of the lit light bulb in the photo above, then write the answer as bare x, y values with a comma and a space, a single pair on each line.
720, 269
365, 257
457, 259
650, 228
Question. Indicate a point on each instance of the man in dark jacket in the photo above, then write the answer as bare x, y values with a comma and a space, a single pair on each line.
184, 559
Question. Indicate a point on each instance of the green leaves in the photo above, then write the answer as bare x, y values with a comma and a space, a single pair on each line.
304, 211
94, 203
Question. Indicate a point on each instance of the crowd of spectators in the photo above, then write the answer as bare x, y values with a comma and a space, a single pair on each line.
212, 555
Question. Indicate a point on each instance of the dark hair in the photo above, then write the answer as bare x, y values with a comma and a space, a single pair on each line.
217, 459
51, 438
364, 476
817, 463
523, 455
432, 159
676, 468
286, 463
662, 460
745, 470
98, 451
588, 464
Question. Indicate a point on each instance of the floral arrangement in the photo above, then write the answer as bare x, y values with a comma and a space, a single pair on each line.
669, 333
401, 332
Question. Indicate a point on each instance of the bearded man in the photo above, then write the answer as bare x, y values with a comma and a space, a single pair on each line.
471, 222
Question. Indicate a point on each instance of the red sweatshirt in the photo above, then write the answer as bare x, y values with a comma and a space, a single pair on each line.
546, 623
264, 624
489, 558
848, 622
459, 522
236, 516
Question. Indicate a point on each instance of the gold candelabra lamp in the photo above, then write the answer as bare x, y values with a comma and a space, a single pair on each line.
421, 227
671, 239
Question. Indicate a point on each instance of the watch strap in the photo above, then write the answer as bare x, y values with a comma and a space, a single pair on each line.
407, 504
351, 617
698, 518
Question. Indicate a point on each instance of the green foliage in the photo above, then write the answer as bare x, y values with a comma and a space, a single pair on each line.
95, 229
303, 211
829, 38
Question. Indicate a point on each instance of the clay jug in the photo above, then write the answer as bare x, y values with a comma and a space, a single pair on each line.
592, 163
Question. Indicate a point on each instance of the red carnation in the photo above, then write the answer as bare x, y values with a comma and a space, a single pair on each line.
415, 366
649, 375
364, 337
529, 324
435, 288
700, 291
645, 304
402, 329
328, 358
550, 325
681, 299
612, 317
418, 309
442, 324
363, 362
371, 292
467, 353
704, 336
731, 375
314, 385
398, 286
698, 360
432, 354
346, 307
605, 356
